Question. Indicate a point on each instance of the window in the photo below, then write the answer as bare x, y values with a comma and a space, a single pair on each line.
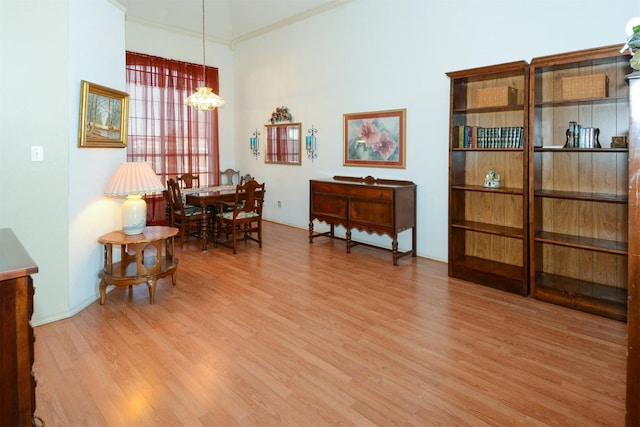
163, 130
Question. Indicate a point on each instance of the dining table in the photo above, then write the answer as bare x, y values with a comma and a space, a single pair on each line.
208, 198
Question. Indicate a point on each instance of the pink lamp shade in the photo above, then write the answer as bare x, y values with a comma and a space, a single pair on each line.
132, 179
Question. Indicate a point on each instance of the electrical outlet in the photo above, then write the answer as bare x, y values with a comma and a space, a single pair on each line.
37, 153
279, 204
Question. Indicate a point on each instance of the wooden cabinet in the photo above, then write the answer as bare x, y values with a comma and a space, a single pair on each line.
488, 131
633, 309
578, 191
379, 206
17, 382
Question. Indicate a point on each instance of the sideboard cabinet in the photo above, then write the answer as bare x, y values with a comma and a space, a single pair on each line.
488, 132
17, 382
382, 206
578, 201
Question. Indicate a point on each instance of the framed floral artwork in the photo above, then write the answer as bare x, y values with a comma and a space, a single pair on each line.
375, 139
104, 114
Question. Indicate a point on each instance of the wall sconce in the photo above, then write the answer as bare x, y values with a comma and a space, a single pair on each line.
254, 144
312, 144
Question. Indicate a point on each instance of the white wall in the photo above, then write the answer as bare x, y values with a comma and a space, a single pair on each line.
33, 111
96, 53
56, 207
370, 55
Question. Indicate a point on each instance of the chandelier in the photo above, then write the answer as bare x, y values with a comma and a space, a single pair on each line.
204, 99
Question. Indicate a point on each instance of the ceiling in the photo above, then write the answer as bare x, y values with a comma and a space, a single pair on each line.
227, 21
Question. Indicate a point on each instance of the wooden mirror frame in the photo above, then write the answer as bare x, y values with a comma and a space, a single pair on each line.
282, 143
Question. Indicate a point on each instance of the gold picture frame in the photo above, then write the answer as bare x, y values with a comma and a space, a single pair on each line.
104, 115
375, 139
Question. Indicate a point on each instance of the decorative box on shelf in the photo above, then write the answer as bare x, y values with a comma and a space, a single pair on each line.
618, 142
499, 96
584, 87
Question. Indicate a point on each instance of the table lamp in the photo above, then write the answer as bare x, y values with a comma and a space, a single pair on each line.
132, 179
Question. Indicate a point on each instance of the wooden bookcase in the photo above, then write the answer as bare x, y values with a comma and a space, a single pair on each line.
578, 197
488, 227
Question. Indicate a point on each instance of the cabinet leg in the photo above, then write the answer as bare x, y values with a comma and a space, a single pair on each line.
414, 246
310, 231
348, 240
394, 250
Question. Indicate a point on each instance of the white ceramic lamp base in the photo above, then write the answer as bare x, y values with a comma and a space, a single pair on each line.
134, 214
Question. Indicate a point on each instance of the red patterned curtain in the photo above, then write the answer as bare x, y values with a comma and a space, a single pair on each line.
163, 130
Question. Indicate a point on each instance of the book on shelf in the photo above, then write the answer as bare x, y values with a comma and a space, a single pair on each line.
467, 136
494, 137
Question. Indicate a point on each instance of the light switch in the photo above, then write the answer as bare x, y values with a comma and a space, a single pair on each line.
37, 153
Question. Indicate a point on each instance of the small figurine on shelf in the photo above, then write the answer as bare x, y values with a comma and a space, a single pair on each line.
492, 179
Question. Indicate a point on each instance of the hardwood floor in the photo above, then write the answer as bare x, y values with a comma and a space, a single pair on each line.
306, 335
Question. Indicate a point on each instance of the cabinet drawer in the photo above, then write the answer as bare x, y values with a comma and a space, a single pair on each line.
328, 205
369, 212
365, 192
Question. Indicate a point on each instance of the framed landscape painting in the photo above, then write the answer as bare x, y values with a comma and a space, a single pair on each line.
104, 114
375, 139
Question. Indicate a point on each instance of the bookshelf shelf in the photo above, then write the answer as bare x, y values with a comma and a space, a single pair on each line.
498, 230
579, 102
578, 197
490, 110
582, 242
501, 190
583, 295
584, 150
498, 275
486, 149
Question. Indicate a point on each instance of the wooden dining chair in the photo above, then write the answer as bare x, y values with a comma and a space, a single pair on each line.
188, 219
187, 180
230, 177
244, 178
244, 219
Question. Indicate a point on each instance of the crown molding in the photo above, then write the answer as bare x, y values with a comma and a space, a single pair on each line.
288, 21
178, 30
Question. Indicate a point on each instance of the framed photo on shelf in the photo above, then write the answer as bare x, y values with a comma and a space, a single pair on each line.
375, 139
104, 114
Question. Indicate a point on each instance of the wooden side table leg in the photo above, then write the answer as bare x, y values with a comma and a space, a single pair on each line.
103, 291
151, 284
174, 277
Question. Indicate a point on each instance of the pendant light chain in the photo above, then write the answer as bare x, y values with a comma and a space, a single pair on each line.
204, 55
204, 99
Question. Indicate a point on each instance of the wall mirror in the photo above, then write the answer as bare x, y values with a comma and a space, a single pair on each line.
282, 143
